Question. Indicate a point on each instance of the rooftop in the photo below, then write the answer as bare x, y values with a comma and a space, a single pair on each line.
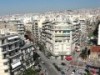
95, 49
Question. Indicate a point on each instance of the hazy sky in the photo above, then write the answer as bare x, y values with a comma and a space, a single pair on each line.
22, 6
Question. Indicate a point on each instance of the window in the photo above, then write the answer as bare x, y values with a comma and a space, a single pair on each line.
4, 48
68, 40
64, 31
55, 41
5, 63
59, 31
16, 51
15, 44
4, 56
60, 41
6, 70
3, 41
10, 47
55, 31
36, 23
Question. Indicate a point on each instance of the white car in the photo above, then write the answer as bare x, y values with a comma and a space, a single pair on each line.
73, 73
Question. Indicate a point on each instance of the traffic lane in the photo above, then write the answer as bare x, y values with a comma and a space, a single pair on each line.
51, 69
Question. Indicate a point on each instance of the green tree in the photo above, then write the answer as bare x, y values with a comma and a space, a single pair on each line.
84, 54
30, 71
87, 72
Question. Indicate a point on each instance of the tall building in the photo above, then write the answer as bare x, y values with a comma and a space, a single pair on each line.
27, 55
28, 26
84, 34
13, 54
59, 37
36, 30
20, 27
10, 54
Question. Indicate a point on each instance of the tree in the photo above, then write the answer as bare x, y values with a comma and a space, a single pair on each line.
28, 35
30, 71
87, 72
84, 54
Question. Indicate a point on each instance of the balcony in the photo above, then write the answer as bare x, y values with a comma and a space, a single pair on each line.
4, 51
65, 53
11, 38
5, 67
8, 43
5, 60
62, 35
20, 29
63, 28
20, 26
14, 55
13, 49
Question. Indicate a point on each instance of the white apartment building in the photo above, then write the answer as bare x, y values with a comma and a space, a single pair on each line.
83, 26
28, 26
84, 33
20, 27
60, 37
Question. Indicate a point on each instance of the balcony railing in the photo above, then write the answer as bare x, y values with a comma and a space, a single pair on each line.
13, 49
14, 55
62, 35
8, 43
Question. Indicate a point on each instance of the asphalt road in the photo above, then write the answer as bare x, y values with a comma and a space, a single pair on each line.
48, 65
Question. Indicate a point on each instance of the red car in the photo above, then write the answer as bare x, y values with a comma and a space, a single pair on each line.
68, 58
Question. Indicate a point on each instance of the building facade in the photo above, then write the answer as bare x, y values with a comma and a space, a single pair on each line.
36, 31
59, 37
13, 54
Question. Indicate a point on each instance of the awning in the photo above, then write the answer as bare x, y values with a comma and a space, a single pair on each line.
13, 37
14, 65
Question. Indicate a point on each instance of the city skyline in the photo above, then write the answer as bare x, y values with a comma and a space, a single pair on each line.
34, 6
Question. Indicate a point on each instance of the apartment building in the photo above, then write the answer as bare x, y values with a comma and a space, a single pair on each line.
20, 27
36, 30
15, 26
83, 26
27, 53
10, 54
59, 37
28, 26
16, 54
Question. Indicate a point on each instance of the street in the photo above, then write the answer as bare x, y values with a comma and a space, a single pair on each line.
50, 68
